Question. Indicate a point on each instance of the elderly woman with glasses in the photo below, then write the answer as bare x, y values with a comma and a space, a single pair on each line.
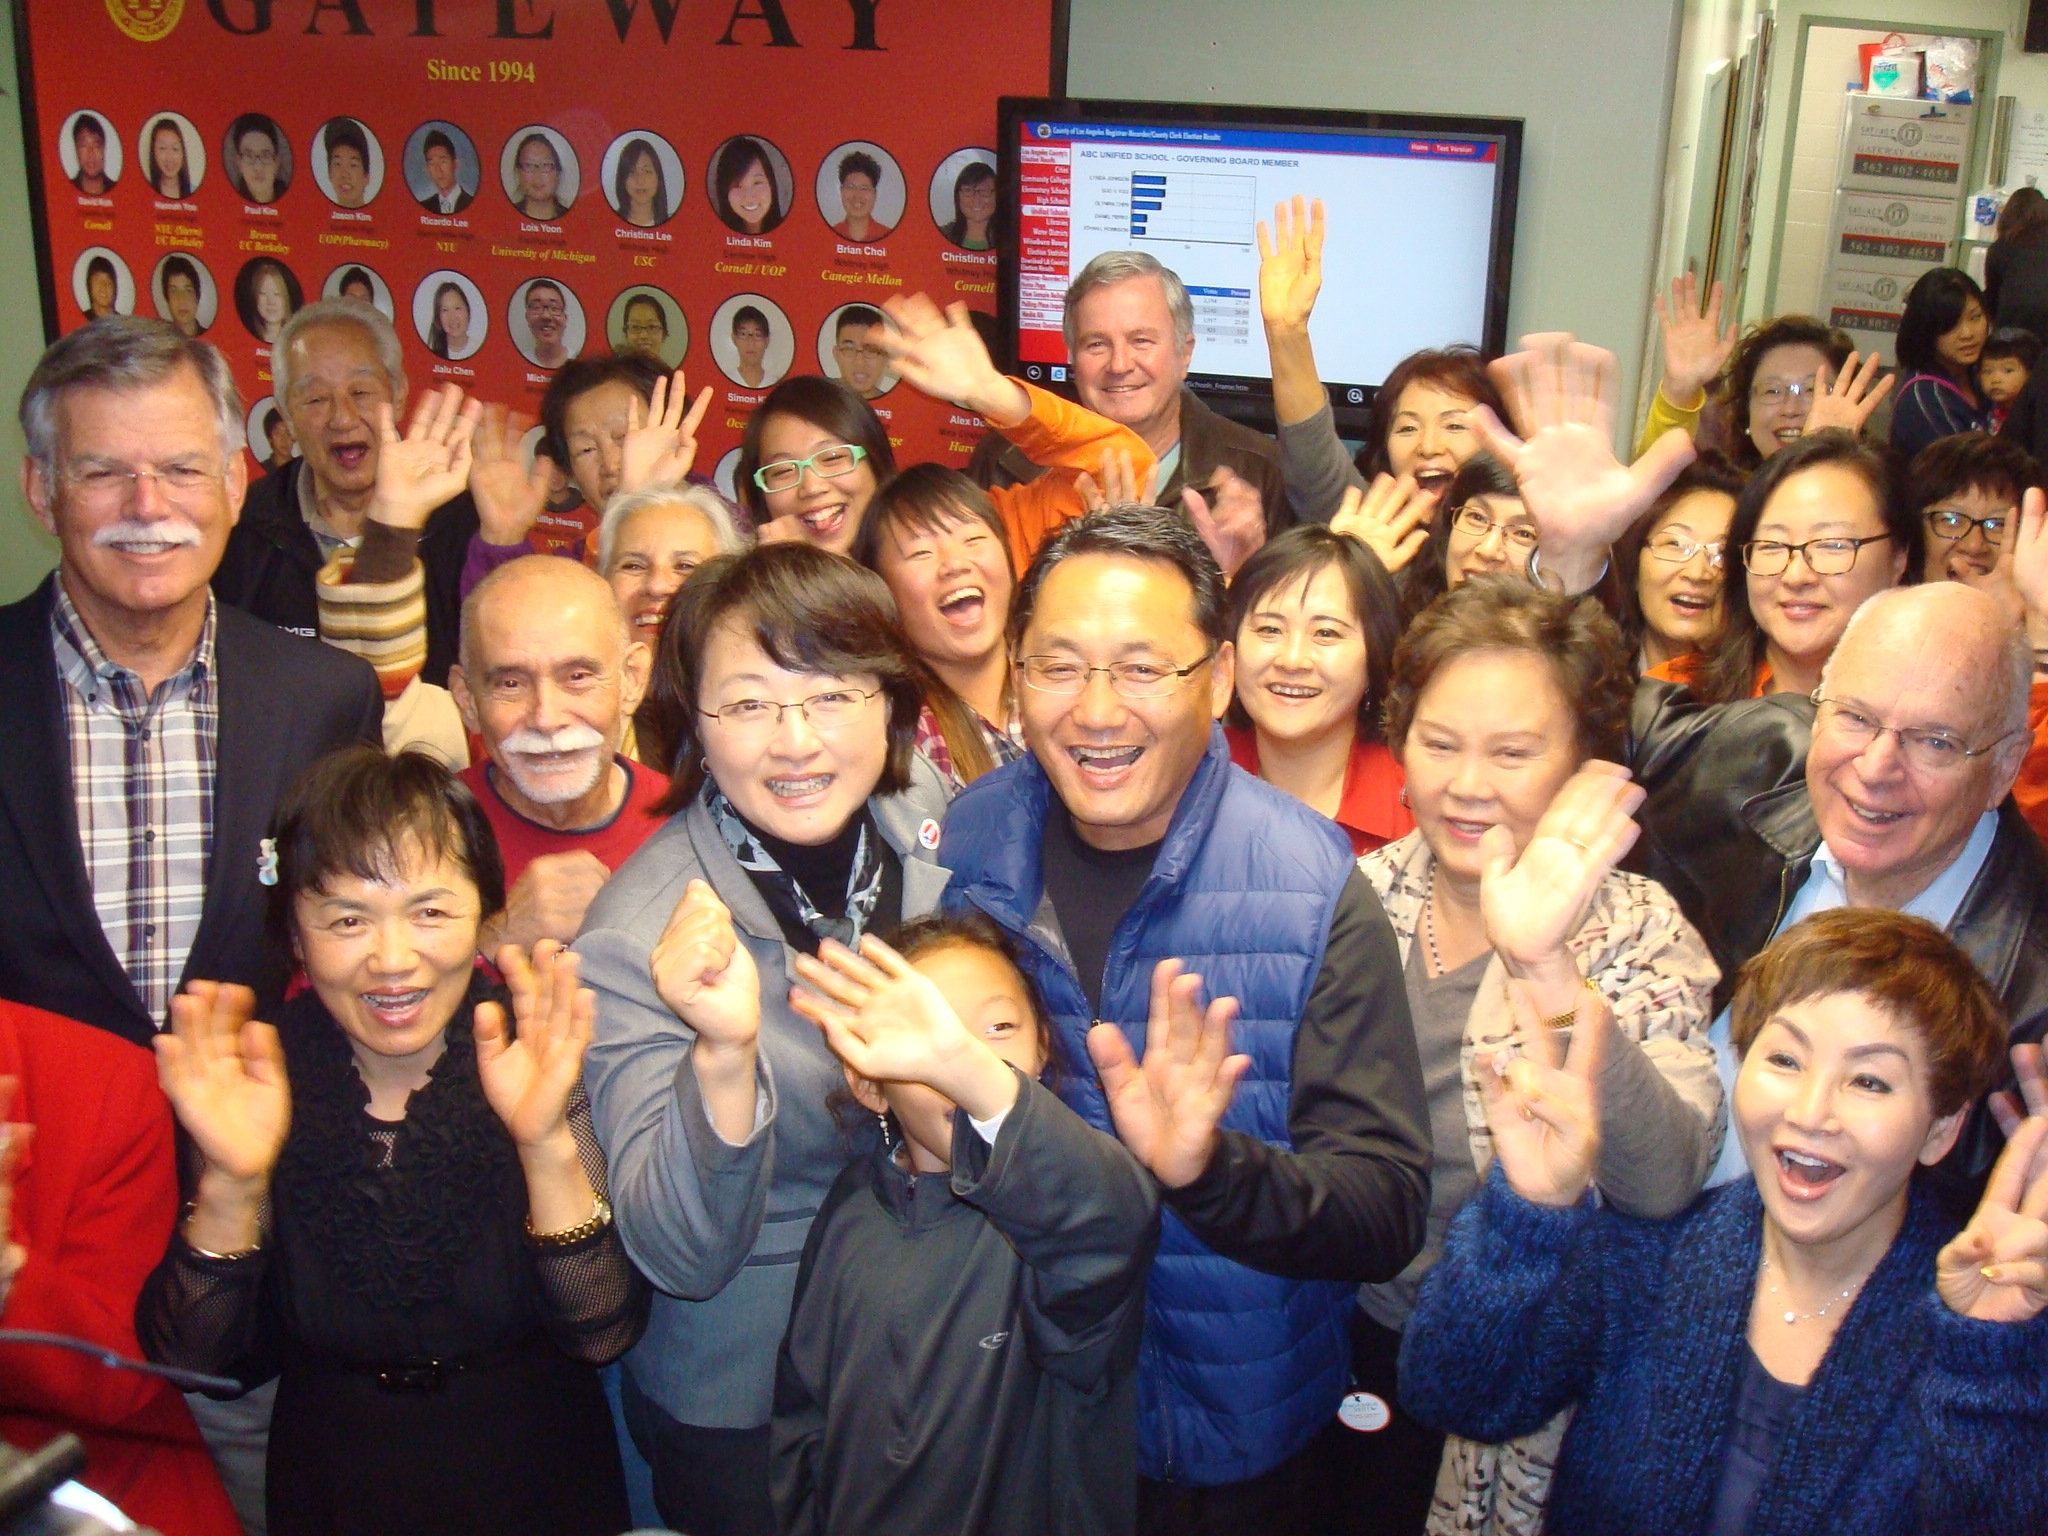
1823, 525
798, 812
1506, 712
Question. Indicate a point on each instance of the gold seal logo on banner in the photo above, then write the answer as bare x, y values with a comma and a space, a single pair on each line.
146, 20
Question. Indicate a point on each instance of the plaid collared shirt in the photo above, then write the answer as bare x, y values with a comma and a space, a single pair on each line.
142, 775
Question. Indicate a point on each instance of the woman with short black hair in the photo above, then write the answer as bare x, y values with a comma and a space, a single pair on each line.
400, 1214
799, 810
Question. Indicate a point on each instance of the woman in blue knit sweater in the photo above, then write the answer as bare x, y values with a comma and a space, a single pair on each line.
1808, 1352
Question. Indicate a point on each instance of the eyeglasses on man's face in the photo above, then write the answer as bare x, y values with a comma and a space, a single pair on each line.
1128, 679
1950, 524
1926, 750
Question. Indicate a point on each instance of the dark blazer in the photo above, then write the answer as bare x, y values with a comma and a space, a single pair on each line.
1729, 831
433, 204
1207, 442
272, 558
283, 703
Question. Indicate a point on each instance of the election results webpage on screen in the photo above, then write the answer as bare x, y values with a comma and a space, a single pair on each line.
1405, 264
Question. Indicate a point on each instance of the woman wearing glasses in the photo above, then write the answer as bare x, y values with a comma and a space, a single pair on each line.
1967, 489
1485, 530
1673, 563
814, 451
1507, 711
1818, 529
798, 812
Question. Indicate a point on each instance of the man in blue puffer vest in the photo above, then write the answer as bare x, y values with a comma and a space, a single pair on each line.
1127, 839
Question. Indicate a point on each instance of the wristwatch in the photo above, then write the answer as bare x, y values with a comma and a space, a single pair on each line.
600, 1217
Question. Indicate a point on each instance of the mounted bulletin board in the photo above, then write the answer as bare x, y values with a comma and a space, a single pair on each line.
519, 181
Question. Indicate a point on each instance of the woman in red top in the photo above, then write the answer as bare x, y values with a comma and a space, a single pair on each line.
1315, 617
93, 1192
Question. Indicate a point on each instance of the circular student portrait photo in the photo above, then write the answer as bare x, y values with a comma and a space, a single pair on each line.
448, 314
860, 192
648, 321
966, 202
266, 295
184, 293
89, 153
173, 160
348, 162
545, 322
752, 187
539, 173
751, 341
726, 474
257, 158
356, 281
101, 284
642, 177
270, 435
848, 350
441, 167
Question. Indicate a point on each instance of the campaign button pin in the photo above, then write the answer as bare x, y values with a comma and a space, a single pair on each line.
1364, 1412
928, 834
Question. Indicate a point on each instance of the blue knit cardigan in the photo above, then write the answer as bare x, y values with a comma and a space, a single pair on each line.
1916, 1421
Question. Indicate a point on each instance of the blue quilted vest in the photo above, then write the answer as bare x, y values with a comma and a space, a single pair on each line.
1238, 1369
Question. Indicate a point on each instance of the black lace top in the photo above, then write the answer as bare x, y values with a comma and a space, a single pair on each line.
396, 1290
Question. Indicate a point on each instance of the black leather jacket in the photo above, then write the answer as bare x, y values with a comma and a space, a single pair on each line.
1729, 830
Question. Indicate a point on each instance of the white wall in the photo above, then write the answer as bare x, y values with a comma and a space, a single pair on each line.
1591, 77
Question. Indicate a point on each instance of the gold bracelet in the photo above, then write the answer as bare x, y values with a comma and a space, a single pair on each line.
1566, 1020
600, 1217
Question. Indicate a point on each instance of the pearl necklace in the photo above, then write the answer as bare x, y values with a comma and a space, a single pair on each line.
1823, 1310
1436, 961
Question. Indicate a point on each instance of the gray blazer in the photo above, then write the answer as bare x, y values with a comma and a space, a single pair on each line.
719, 1228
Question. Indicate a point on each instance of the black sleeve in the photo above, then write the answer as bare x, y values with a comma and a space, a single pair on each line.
1994, 278
2023, 422
1348, 1202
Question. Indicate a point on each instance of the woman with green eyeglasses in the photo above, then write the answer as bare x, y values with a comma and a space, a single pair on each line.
1673, 562
798, 811
1823, 525
815, 452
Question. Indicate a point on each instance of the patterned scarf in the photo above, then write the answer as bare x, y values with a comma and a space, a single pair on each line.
863, 885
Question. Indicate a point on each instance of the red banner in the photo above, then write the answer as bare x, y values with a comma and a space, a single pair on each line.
723, 182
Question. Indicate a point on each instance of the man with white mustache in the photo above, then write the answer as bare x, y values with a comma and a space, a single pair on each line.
549, 675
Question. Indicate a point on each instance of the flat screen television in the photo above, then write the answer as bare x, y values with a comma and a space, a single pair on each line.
1421, 221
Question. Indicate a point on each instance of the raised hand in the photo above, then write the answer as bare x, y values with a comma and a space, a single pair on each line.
1561, 393
1996, 1268
224, 1075
1540, 1100
2011, 1108
890, 1024
1120, 483
704, 973
1166, 1109
1696, 349
509, 496
1846, 402
942, 355
528, 1078
429, 464
2025, 559
1390, 517
660, 446
1291, 264
1231, 520
14, 1139
1534, 901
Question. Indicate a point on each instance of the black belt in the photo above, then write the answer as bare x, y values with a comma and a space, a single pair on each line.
430, 1374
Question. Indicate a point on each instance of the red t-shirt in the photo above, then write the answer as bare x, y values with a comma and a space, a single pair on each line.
520, 841
1370, 812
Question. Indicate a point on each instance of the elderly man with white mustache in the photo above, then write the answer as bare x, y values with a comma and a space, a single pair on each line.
549, 675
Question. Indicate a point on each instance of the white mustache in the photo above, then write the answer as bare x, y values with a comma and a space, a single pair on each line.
131, 531
528, 742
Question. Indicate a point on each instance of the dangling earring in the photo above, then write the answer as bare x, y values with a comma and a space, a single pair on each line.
883, 1117
1404, 794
